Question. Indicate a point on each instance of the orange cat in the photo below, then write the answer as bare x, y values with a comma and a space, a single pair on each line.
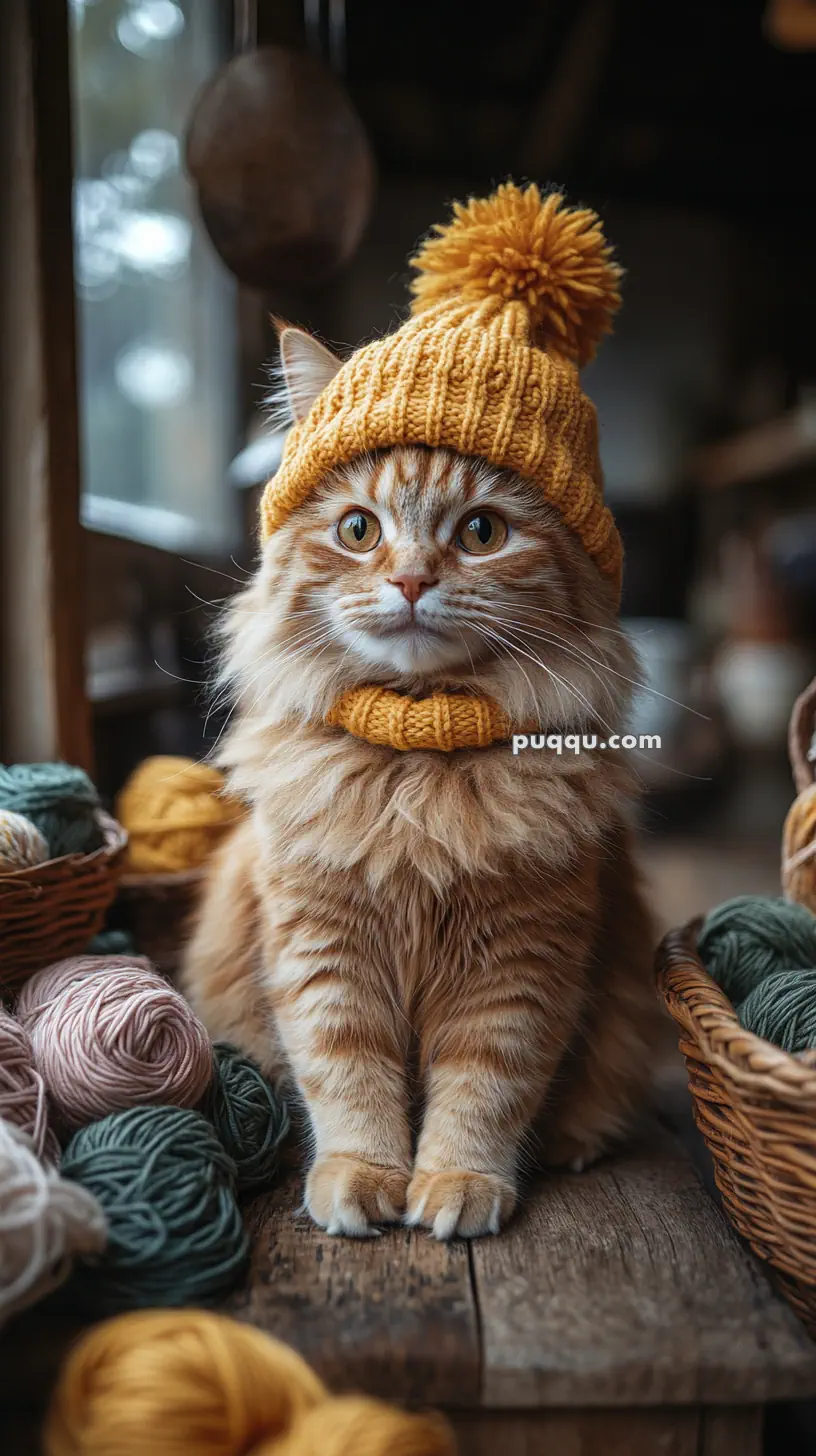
448, 951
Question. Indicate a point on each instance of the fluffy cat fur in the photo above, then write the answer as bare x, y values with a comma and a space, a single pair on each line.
449, 953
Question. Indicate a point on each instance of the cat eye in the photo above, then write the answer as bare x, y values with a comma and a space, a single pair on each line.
359, 530
482, 533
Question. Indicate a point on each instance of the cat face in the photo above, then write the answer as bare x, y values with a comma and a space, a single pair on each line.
421, 561
419, 568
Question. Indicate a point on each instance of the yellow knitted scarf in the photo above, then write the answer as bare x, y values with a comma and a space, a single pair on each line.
444, 721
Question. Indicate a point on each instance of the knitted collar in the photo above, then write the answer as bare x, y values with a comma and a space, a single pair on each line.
444, 721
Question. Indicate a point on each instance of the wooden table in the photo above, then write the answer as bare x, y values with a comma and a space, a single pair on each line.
618, 1315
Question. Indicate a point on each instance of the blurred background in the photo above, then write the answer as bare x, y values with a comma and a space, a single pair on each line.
216, 183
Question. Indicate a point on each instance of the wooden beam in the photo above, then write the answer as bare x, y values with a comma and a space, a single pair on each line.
43, 708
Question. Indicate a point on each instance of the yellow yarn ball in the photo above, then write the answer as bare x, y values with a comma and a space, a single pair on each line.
175, 812
354, 1426
799, 850
159, 1382
21, 843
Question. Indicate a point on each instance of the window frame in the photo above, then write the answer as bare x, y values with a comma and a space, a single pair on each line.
45, 712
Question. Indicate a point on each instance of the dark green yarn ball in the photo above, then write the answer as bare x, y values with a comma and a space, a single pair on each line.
166, 1186
249, 1116
782, 1009
751, 937
110, 943
762, 952
59, 799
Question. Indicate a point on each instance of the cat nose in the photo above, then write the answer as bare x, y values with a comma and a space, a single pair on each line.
412, 584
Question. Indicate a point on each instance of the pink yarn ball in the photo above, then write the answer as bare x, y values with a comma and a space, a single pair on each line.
112, 1034
22, 1090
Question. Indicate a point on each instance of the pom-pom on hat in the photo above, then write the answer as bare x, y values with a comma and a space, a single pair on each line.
511, 297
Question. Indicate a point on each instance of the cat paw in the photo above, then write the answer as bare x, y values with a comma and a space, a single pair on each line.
459, 1204
347, 1195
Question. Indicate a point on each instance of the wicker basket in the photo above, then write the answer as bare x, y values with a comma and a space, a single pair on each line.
756, 1109
156, 910
54, 909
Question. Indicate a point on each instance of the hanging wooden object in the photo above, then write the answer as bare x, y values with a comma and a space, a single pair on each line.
791, 24
283, 168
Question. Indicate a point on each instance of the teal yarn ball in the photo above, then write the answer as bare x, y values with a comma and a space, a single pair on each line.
166, 1186
59, 799
762, 952
747, 939
111, 943
249, 1116
782, 1009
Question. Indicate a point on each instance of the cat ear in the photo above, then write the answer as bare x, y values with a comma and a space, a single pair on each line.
307, 367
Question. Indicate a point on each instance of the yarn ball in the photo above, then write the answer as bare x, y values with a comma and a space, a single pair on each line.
165, 1183
111, 943
108, 1035
782, 1009
249, 1117
22, 1090
44, 1221
176, 813
162, 1382
799, 850
59, 800
746, 939
21, 843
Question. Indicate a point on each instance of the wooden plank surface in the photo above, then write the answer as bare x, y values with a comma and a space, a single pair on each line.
585, 1433
622, 1288
625, 1286
731, 1431
393, 1315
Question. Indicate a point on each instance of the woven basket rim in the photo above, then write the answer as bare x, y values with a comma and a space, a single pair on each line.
159, 879
703, 1010
114, 838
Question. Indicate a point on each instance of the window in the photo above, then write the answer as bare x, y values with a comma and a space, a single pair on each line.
156, 309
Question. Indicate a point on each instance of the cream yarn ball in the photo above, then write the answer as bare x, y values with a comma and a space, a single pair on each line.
21, 843
44, 1221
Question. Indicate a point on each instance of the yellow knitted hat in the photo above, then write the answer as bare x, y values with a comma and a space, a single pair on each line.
511, 298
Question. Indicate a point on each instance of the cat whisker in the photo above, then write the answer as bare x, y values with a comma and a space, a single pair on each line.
193, 681
350, 647
556, 681
287, 660
592, 712
569, 617
200, 566
525, 632
487, 633
534, 614
635, 682
303, 612
309, 637
464, 642
636, 752
216, 602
